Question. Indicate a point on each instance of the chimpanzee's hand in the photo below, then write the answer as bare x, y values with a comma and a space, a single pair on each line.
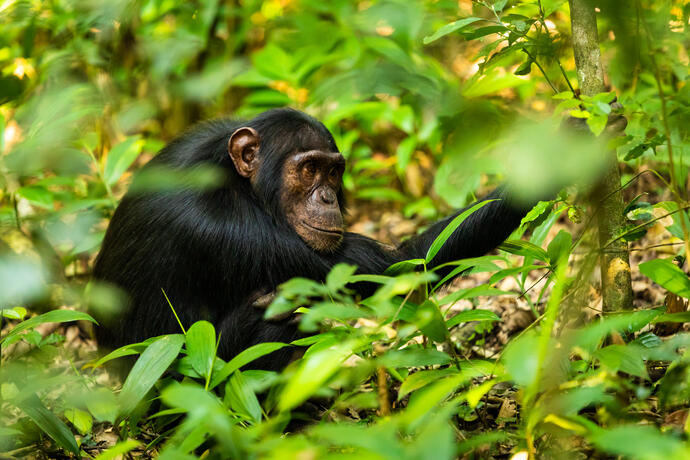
264, 301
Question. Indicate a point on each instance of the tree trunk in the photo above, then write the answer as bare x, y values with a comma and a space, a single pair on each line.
615, 265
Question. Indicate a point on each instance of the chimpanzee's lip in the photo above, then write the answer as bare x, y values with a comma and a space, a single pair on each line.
330, 231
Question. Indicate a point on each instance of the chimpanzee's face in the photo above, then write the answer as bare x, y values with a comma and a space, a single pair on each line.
310, 183
311, 186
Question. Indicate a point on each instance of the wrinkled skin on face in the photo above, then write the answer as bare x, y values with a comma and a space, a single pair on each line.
311, 182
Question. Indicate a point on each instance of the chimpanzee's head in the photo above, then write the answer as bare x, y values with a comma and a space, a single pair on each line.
294, 165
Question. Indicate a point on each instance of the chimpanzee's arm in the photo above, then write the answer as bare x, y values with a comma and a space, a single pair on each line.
481, 232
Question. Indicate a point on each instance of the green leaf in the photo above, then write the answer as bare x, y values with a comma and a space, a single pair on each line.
450, 228
449, 28
150, 366
559, 247
472, 315
240, 397
81, 420
201, 347
524, 248
499, 275
639, 442
245, 357
313, 372
683, 317
667, 274
55, 316
420, 379
580, 114
520, 359
563, 95
118, 450
597, 123
414, 357
102, 403
49, 423
537, 211
38, 196
14, 313
120, 158
339, 276
625, 358
404, 266
430, 321
525, 68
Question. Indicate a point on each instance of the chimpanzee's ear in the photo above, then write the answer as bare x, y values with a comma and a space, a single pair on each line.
243, 148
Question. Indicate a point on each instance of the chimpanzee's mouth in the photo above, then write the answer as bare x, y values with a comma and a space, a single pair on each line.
330, 231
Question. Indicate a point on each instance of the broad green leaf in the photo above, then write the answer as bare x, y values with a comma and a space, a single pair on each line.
403, 266
81, 420
49, 423
559, 247
472, 315
55, 316
450, 228
625, 358
491, 83
580, 114
201, 347
150, 366
245, 357
118, 450
520, 359
537, 211
414, 357
475, 394
563, 94
597, 123
589, 337
426, 399
339, 276
549, 6
420, 379
102, 403
499, 275
120, 158
524, 248
683, 317
313, 372
639, 442
14, 313
240, 397
668, 275
449, 28
38, 196
430, 321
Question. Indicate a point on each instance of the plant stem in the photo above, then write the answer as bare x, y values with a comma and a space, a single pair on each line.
614, 263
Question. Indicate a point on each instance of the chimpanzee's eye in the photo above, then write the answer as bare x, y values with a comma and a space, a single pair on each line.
309, 170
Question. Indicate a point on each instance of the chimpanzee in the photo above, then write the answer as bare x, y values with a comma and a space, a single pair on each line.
277, 215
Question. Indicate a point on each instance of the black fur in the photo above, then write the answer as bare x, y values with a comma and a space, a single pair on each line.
214, 251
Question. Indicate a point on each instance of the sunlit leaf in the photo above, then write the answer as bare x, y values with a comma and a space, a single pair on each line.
49, 423
450, 28
667, 274
201, 347
245, 357
147, 370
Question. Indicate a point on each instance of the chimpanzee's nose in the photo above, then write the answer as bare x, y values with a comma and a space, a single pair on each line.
327, 196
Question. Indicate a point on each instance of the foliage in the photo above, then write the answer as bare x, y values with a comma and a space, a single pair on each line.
430, 102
